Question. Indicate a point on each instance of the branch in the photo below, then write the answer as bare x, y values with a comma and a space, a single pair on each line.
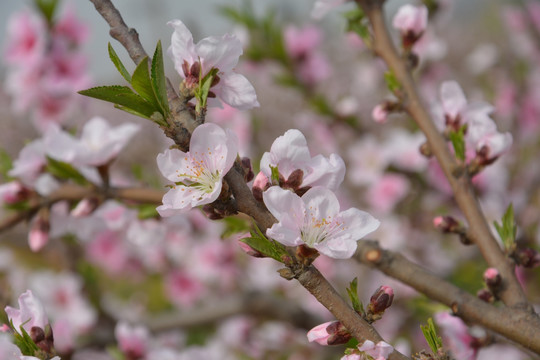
71, 192
479, 232
518, 325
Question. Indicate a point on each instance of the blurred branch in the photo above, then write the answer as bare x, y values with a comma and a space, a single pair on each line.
518, 325
71, 192
479, 232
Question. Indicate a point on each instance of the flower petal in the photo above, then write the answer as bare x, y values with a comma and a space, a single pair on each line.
452, 98
182, 47
327, 172
170, 161
218, 146
220, 53
235, 90
321, 203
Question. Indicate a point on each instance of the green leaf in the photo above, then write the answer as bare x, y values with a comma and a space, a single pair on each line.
358, 23
47, 8
158, 80
458, 141
507, 229
391, 81
147, 211
24, 342
430, 334
267, 247
65, 171
6, 164
203, 89
143, 85
235, 225
123, 96
352, 290
118, 63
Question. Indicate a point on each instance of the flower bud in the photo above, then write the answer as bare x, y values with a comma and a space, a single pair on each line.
85, 207
38, 235
380, 113
492, 277
527, 257
329, 333
448, 224
491, 146
260, 184
381, 300
249, 250
485, 295
411, 21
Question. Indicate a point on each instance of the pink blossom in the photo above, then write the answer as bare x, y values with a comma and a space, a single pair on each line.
384, 194
494, 144
199, 172
379, 351
183, 288
31, 313
132, 340
30, 163
290, 152
453, 101
411, 20
69, 27
99, 143
11, 192
108, 251
26, 39
456, 335
195, 60
299, 42
315, 220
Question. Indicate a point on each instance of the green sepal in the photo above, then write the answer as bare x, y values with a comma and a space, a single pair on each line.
274, 175
267, 247
458, 142
118, 64
24, 342
507, 229
352, 290
430, 334
159, 85
123, 96
64, 171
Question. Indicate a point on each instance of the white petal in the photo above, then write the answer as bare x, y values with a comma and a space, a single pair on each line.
337, 248
235, 90
170, 161
286, 235
320, 203
182, 47
284, 204
289, 151
452, 98
217, 146
327, 172
357, 223
220, 53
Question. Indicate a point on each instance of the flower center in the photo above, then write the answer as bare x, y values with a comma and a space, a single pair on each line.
316, 230
198, 175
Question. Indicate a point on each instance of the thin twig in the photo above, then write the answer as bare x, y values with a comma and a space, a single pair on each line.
518, 325
511, 293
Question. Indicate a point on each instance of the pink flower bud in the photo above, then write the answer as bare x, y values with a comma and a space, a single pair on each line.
493, 145
447, 224
249, 250
381, 300
4, 328
12, 192
485, 295
85, 207
528, 258
380, 113
260, 184
39, 231
329, 333
379, 351
492, 277
132, 340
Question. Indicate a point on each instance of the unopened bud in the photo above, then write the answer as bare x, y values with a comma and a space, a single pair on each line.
485, 295
381, 300
13, 192
492, 277
39, 231
527, 257
329, 333
43, 338
260, 184
448, 224
425, 150
85, 207
249, 250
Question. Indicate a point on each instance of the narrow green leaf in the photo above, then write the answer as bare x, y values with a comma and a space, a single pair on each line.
352, 290
158, 80
430, 334
118, 64
24, 342
64, 170
47, 8
143, 85
234, 225
204, 88
358, 23
392, 82
6, 164
507, 229
458, 141
274, 177
263, 246
123, 96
